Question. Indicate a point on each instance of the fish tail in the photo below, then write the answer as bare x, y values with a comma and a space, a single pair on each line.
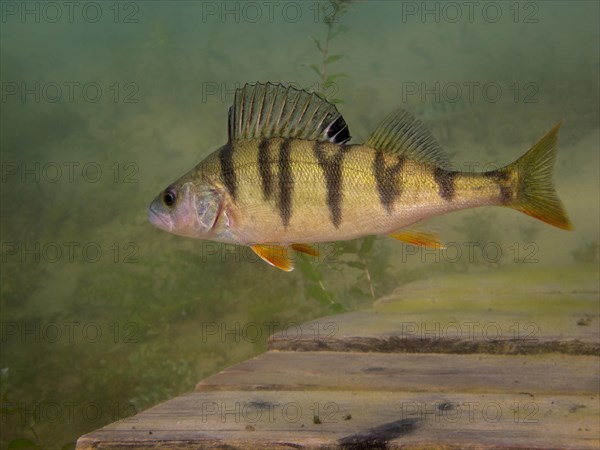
532, 178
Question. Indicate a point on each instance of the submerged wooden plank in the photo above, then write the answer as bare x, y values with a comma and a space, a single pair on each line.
341, 419
547, 374
503, 312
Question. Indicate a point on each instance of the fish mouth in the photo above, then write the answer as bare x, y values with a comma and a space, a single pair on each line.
159, 219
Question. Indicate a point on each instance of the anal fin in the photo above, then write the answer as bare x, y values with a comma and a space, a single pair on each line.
421, 238
275, 255
304, 248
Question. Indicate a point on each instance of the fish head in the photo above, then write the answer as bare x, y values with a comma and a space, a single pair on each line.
190, 207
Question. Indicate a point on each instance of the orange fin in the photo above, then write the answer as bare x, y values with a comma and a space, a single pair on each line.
275, 255
421, 238
536, 195
304, 248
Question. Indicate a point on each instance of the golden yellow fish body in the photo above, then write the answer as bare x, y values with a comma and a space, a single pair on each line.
296, 191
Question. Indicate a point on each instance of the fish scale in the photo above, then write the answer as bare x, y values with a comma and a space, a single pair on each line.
288, 177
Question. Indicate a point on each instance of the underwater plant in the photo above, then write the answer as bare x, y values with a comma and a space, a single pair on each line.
357, 252
331, 12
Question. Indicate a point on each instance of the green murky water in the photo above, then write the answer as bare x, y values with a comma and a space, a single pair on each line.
103, 104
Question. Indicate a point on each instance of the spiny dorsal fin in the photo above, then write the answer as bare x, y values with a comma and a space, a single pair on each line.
401, 132
273, 110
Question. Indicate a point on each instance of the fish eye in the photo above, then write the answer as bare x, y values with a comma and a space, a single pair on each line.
169, 197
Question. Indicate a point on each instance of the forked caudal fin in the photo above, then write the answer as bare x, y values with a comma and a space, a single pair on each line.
536, 196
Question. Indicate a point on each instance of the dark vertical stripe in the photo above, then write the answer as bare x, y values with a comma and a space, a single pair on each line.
286, 182
445, 182
388, 182
501, 178
228, 170
332, 170
505, 195
264, 169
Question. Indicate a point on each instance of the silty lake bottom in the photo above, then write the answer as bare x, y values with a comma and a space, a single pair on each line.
104, 104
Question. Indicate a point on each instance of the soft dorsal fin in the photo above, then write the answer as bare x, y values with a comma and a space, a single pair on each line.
273, 110
401, 132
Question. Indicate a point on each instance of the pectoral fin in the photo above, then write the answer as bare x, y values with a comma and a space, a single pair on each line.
421, 238
275, 255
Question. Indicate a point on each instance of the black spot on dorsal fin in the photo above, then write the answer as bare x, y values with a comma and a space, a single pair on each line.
338, 132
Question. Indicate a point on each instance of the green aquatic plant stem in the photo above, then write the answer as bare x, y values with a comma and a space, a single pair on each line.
331, 15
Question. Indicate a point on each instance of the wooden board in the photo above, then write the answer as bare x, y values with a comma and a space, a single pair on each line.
540, 374
502, 312
286, 419
526, 407
510, 362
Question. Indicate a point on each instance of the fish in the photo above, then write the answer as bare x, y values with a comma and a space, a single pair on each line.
288, 178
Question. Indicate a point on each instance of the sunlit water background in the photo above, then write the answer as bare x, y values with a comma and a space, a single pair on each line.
105, 104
